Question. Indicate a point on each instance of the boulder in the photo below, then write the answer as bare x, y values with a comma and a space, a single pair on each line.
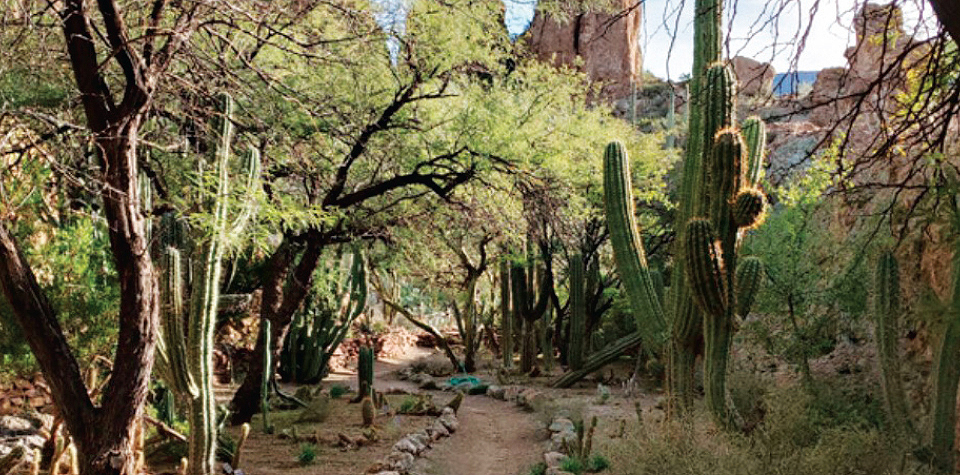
755, 78
603, 44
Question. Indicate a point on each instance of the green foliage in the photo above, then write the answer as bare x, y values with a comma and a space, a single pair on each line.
76, 273
307, 454
597, 463
572, 465
338, 390
539, 468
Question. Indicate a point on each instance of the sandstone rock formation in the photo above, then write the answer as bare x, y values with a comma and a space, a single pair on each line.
605, 45
756, 78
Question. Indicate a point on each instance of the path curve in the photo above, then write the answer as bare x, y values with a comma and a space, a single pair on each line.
494, 438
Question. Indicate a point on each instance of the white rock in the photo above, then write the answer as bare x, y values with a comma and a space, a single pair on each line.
553, 459
449, 421
399, 461
562, 424
406, 445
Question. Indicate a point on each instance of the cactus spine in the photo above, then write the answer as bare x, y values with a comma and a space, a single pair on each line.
506, 322
186, 355
578, 313
886, 305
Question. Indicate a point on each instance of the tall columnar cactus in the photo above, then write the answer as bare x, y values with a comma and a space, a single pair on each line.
948, 376
628, 248
711, 243
365, 370
185, 355
706, 114
320, 327
578, 313
529, 305
886, 309
506, 322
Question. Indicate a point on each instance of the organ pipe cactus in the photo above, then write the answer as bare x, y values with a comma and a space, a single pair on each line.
578, 313
185, 355
529, 306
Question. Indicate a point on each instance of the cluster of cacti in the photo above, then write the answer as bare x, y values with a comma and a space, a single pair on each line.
185, 355
529, 305
506, 317
365, 362
722, 204
711, 242
319, 328
578, 313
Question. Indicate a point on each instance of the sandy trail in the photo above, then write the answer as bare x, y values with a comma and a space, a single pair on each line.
495, 438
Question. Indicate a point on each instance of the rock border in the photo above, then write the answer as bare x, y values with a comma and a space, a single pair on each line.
406, 450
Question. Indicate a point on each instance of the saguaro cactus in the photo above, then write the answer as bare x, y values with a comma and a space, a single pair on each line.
628, 251
185, 355
530, 306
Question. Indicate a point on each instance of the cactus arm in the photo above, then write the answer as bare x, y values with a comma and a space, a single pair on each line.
749, 280
506, 322
755, 135
628, 248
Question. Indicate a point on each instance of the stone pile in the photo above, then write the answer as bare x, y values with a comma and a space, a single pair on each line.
28, 430
25, 395
406, 450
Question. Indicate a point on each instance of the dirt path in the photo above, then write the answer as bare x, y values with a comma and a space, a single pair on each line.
495, 438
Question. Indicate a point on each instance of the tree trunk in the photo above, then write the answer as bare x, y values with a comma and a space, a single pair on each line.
104, 435
281, 299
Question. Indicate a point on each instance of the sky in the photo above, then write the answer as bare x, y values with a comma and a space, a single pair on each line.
667, 38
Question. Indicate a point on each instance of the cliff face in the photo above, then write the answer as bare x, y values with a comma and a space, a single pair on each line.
603, 45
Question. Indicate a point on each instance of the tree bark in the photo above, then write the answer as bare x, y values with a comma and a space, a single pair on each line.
280, 300
948, 12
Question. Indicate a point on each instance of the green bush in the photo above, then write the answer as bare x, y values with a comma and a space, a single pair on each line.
572, 465
597, 463
307, 455
338, 390
539, 468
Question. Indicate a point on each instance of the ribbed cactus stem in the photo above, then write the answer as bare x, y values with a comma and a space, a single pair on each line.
365, 370
705, 277
748, 208
886, 306
628, 248
749, 280
948, 376
506, 318
755, 135
265, 334
578, 313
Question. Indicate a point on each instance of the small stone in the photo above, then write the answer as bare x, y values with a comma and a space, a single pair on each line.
438, 431
449, 421
553, 459
399, 461
13, 425
562, 424
497, 392
388, 472
406, 445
